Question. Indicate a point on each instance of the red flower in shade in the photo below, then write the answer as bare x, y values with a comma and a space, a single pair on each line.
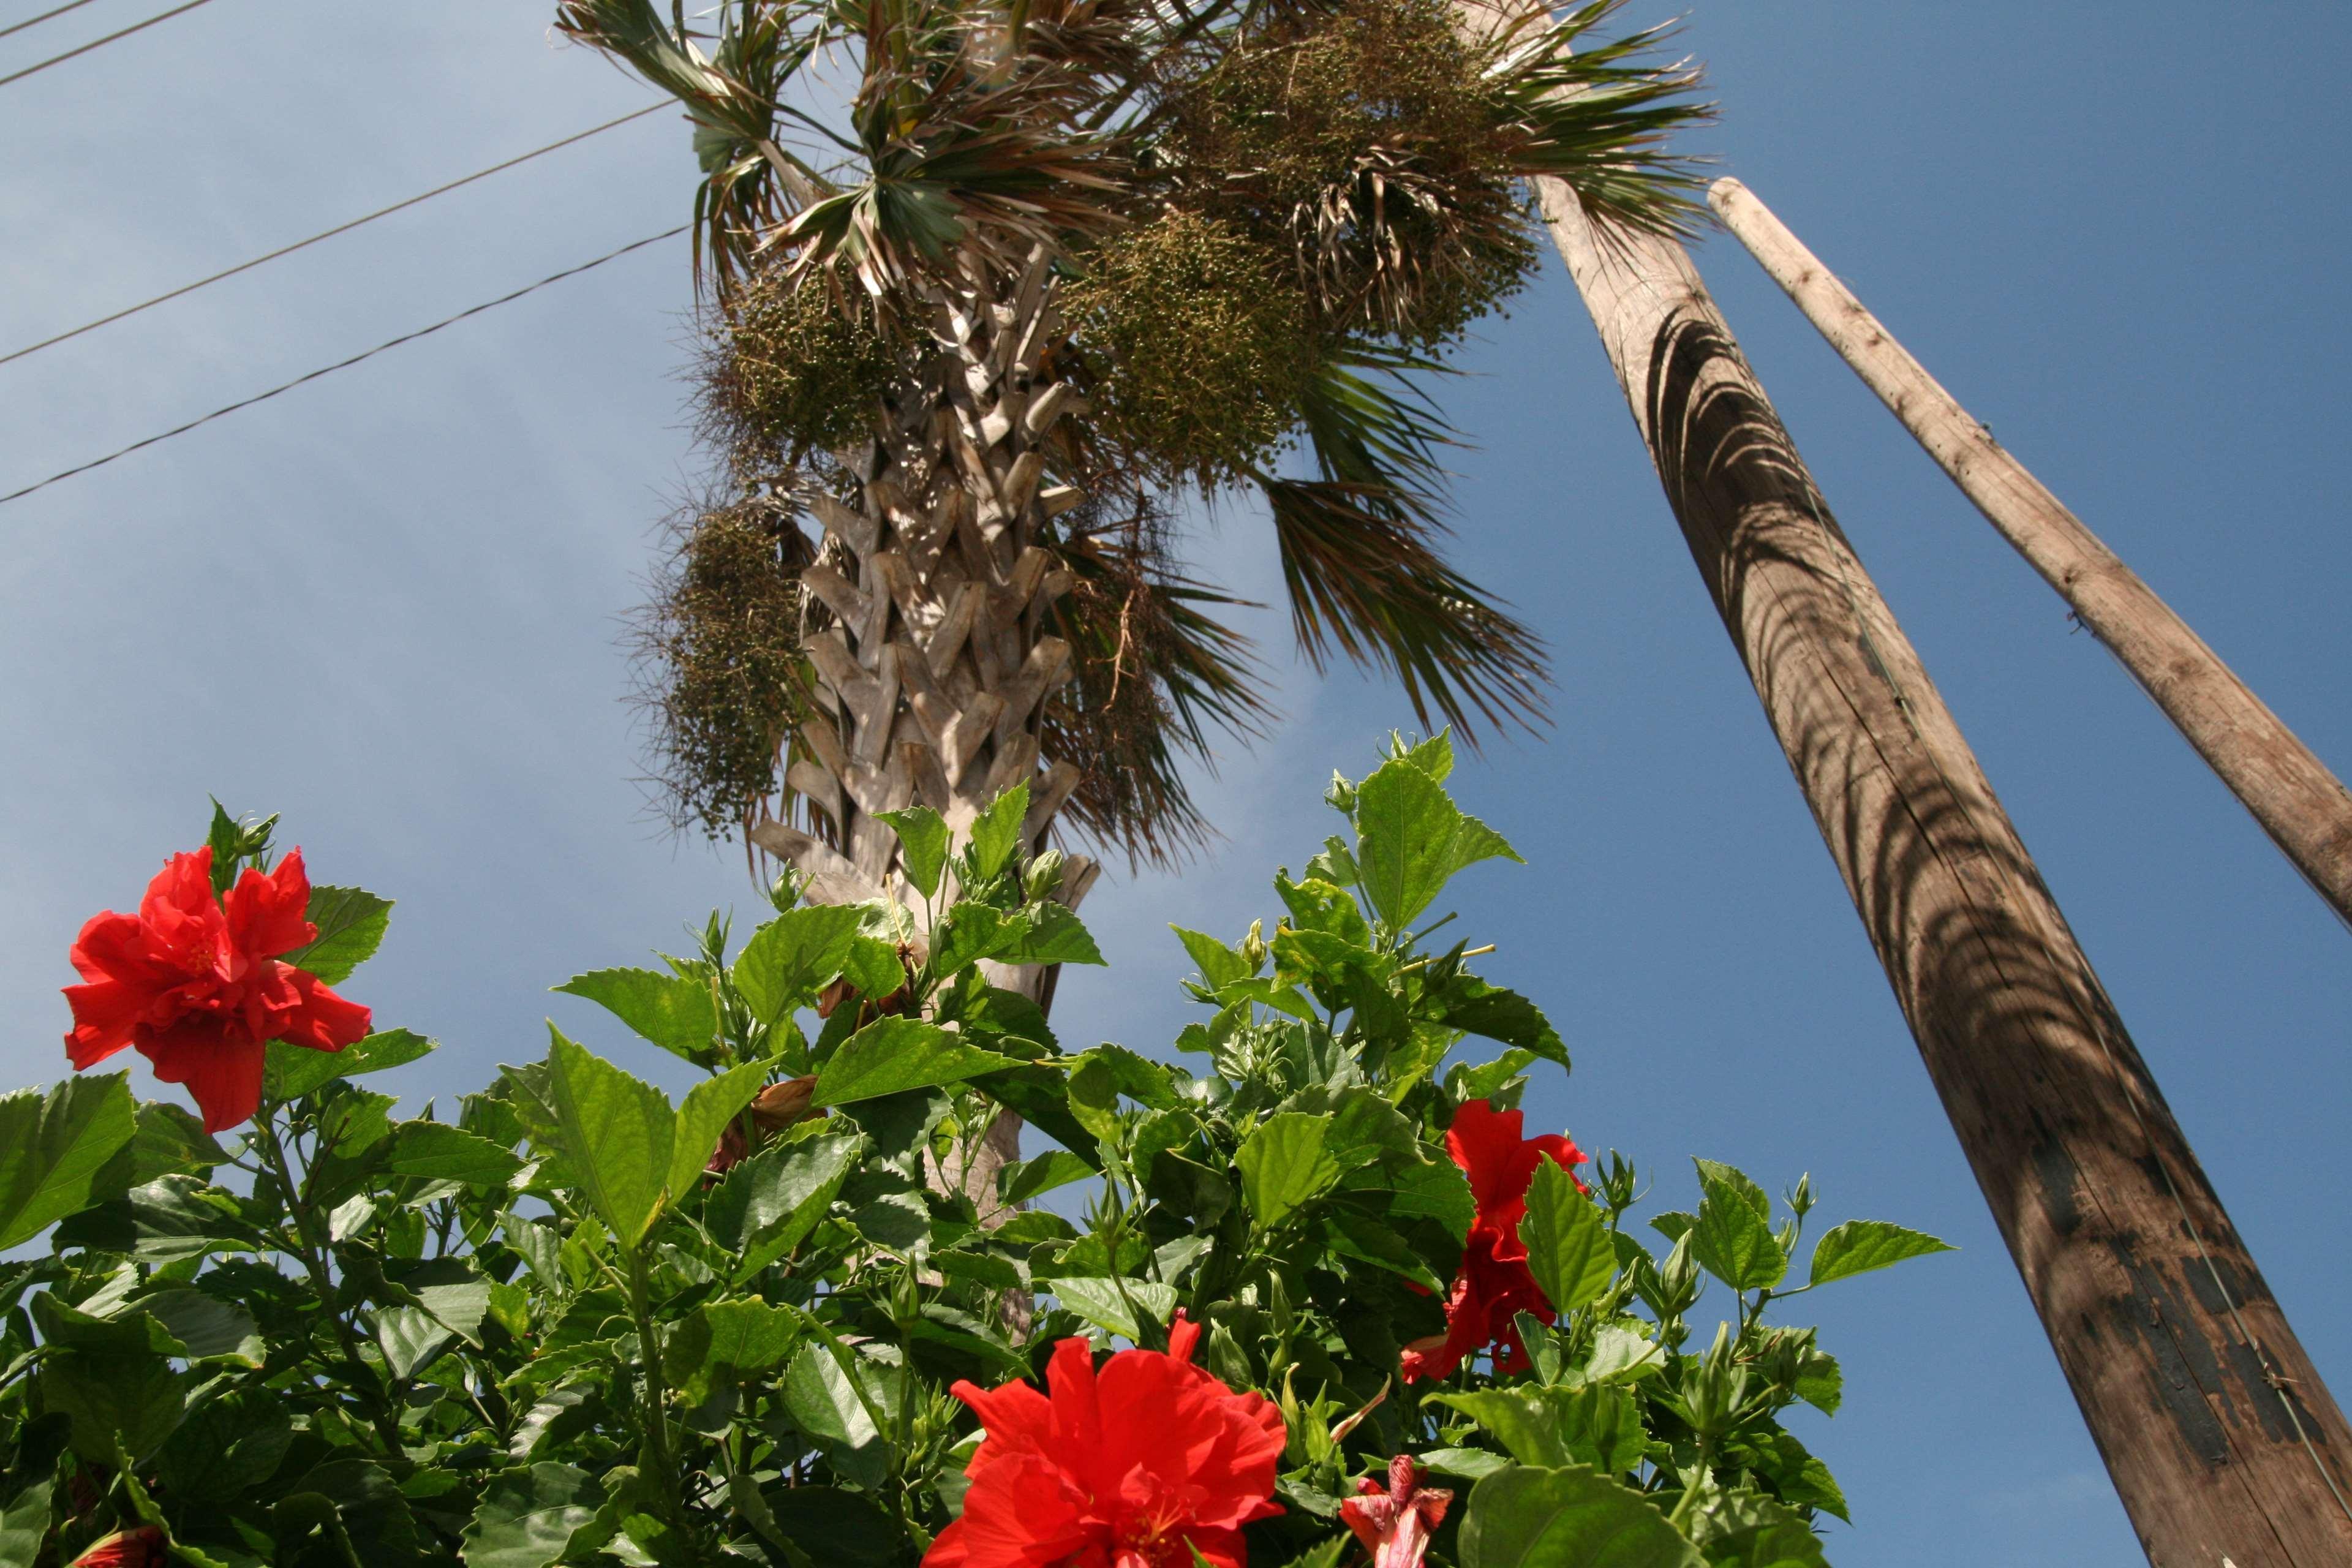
1137, 1466
193, 982
1494, 1283
1395, 1521
140, 1548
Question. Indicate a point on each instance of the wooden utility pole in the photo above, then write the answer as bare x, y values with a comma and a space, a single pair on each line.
2217, 1432
2301, 804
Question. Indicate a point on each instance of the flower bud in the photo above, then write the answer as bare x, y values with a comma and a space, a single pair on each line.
1044, 878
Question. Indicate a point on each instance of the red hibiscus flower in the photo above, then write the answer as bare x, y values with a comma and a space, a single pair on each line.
140, 1548
1494, 1284
193, 982
1395, 1521
1140, 1465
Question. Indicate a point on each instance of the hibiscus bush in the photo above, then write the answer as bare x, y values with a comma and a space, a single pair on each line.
1314, 1296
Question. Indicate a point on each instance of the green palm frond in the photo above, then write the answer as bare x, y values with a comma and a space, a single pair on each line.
1598, 114
734, 96
1359, 547
1156, 672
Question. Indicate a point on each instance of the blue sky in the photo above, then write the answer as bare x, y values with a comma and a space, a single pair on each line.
389, 605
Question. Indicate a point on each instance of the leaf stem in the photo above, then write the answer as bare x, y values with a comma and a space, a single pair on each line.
658, 1454
309, 1252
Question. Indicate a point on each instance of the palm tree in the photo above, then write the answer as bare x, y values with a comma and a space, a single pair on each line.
993, 288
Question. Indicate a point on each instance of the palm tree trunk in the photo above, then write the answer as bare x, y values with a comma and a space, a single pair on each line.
2301, 805
2216, 1428
931, 683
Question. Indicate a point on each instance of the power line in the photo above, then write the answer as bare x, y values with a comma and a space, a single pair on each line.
347, 363
36, 21
329, 233
94, 43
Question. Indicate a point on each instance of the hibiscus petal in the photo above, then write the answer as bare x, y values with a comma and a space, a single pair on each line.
1019, 1514
264, 912
1016, 1417
320, 1018
180, 919
223, 1075
106, 1017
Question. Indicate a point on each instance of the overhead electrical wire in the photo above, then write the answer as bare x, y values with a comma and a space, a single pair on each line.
94, 43
327, 233
36, 21
347, 363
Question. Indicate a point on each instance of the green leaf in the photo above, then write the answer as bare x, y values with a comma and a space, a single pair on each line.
438, 1152
1620, 1355
1470, 1464
1335, 863
839, 1529
790, 959
1520, 1419
1478, 1008
1411, 839
351, 923
1742, 1530
923, 845
968, 933
1018, 1183
1321, 904
824, 1403
985, 1268
1731, 1240
895, 1054
168, 1220
749, 1334
359, 1508
1602, 1426
673, 1012
1284, 1163
528, 1517
710, 1106
1860, 1245
1821, 1383
53, 1145
1437, 1191
1433, 756
24, 1524
770, 1202
208, 1327
1121, 1306
410, 1338
1568, 1243
1574, 1518
1220, 965
616, 1133
1050, 933
110, 1379
293, 1072
996, 832
1716, 1172
873, 968
170, 1142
